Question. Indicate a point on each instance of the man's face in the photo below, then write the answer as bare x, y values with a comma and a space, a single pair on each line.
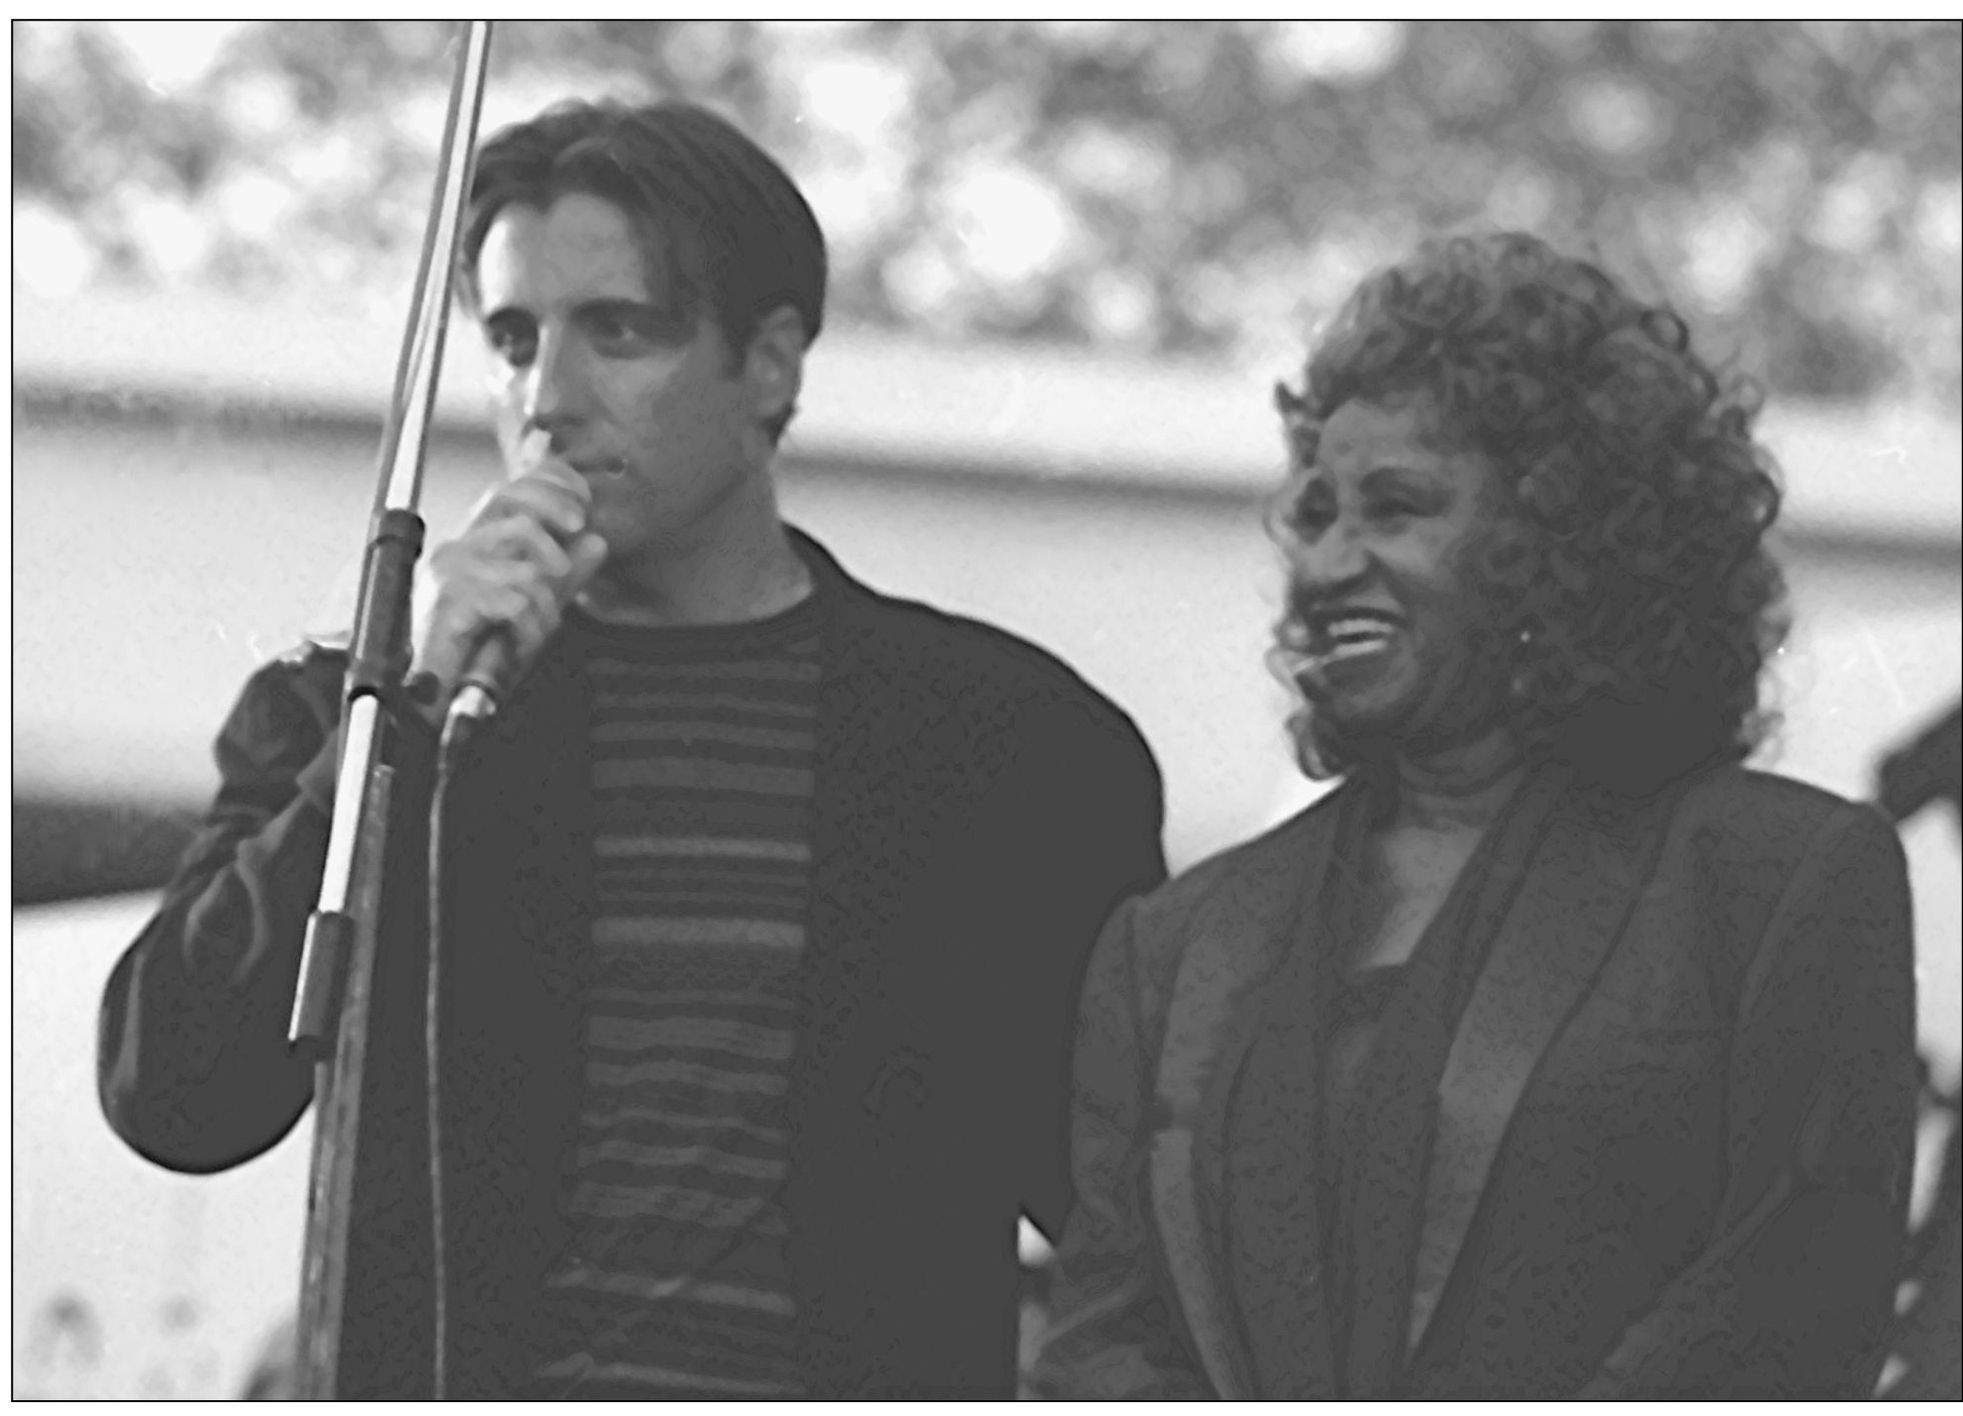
595, 368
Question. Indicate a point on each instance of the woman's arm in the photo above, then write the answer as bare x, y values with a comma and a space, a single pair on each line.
1794, 1295
1114, 1329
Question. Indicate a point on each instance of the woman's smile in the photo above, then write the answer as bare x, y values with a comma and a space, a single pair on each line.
1348, 637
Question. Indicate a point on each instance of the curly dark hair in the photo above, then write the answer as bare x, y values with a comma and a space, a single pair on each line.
1625, 579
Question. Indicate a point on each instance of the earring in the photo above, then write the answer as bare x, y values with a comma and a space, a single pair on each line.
1521, 681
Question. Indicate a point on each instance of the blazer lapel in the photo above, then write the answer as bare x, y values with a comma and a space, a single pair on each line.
1190, 1259
1211, 1019
1570, 909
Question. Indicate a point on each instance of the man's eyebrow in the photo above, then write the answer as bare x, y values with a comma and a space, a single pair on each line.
618, 306
505, 313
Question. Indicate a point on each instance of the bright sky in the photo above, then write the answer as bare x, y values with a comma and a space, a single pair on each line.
168, 53
47, 257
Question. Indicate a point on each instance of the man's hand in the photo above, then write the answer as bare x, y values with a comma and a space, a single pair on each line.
524, 556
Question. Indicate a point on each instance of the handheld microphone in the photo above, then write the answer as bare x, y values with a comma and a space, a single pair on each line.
491, 671
486, 678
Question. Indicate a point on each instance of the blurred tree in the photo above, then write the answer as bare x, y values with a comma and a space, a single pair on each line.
1195, 187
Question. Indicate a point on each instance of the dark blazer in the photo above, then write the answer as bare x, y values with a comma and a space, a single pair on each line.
978, 813
1674, 1131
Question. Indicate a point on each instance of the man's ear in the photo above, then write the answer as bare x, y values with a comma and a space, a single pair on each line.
774, 365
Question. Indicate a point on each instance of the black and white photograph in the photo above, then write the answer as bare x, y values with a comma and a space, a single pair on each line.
989, 709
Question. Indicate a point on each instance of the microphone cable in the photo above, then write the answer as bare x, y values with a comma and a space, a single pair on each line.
459, 731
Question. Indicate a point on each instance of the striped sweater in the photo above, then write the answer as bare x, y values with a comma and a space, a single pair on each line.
676, 1282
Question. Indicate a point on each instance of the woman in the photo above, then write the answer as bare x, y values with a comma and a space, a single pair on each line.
1553, 1053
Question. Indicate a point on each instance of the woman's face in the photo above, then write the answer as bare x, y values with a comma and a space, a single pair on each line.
1397, 648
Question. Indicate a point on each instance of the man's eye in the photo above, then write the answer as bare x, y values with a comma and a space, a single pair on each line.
514, 346
607, 329
633, 331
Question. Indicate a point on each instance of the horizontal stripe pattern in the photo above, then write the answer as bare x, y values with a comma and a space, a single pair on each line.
702, 849
690, 734
764, 1042
641, 932
627, 1381
677, 1283
700, 774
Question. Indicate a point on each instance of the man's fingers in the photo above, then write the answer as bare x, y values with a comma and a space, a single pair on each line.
587, 554
554, 472
520, 541
524, 556
523, 607
559, 503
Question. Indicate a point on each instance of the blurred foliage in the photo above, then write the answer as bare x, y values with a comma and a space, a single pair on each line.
1190, 187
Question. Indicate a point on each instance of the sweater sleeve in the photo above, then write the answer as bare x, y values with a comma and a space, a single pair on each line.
193, 1067
1794, 1292
1092, 842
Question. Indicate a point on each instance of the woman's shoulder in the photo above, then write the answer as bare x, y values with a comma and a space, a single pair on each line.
1769, 814
1757, 847
1260, 872
1789, 877
1228, 908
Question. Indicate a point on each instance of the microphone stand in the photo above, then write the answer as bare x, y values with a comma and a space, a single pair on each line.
331, 1001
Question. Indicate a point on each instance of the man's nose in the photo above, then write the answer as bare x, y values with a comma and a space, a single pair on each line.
553, 385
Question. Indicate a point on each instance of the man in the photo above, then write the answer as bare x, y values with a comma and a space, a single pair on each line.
1926, 770
766, 897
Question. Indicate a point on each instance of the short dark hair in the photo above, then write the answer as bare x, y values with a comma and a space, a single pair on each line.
1626, 578
721, 226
